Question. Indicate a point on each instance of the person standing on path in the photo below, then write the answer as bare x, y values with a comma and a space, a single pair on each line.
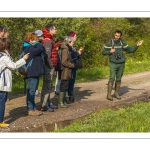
34, 71
39, 34
114, 49
49, 65
75, 54
6, 67
66, 73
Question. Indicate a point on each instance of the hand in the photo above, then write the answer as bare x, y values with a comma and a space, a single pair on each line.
112, 50
80, 50
140, 43
26, 56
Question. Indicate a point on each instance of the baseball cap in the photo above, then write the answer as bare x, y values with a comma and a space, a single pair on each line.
38, 32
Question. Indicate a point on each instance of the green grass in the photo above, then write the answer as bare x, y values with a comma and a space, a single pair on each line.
131, 119
101, 72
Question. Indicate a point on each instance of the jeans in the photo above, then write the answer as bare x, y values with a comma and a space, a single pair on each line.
30, 100
71, 83
3, 99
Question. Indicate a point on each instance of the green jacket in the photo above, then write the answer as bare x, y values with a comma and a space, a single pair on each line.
119, 50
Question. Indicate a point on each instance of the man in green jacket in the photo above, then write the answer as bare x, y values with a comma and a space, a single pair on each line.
114, 49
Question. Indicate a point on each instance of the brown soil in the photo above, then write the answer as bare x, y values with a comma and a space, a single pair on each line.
91, 96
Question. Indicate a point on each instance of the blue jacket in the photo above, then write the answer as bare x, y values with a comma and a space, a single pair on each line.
35, 59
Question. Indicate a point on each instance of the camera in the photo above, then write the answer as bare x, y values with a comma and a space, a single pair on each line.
117, 55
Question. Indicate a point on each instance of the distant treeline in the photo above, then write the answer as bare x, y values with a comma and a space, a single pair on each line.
92, 34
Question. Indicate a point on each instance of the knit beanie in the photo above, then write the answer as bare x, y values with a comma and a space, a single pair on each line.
72, 34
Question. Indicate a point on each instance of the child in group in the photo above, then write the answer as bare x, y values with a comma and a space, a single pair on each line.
6, 65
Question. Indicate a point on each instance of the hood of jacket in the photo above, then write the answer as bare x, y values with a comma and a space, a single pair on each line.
46, 34
26, 44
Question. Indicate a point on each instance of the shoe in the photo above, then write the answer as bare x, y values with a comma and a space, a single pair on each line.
71, 99
47, 109
4, 125
34, 113
53, 106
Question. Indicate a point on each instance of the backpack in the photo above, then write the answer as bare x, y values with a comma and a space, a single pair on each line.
59, 66
23, 69
54, 56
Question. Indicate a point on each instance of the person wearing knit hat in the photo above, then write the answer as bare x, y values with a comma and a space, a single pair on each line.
75, 57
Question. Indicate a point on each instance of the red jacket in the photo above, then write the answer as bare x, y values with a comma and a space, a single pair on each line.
49, 45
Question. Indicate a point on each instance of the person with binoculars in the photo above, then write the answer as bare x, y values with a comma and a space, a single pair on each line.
114, 49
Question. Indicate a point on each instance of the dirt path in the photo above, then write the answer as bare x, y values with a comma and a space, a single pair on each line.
92, 96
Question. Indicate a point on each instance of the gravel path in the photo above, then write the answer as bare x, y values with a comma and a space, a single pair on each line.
91, 96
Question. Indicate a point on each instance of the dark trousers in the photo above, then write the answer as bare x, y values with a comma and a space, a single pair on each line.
116, 72
3, 99
64, 85
71, 83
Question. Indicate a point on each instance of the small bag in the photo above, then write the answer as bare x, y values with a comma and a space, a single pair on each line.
80, 62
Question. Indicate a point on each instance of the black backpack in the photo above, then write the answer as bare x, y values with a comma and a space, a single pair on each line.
59, 66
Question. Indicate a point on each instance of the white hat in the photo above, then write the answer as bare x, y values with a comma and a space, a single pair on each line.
38, 32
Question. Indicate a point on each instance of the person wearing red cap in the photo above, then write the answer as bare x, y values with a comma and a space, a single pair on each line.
75, 57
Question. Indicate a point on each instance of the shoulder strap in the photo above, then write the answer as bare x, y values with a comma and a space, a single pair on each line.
121, 43
112, 43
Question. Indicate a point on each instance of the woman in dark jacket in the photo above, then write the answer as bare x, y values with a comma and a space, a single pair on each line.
35, 69
66, 73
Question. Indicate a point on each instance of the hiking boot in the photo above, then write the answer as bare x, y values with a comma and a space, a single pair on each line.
34, 113
61, 97
109, 89
47, 109
117, 87
4, 125
53, 106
